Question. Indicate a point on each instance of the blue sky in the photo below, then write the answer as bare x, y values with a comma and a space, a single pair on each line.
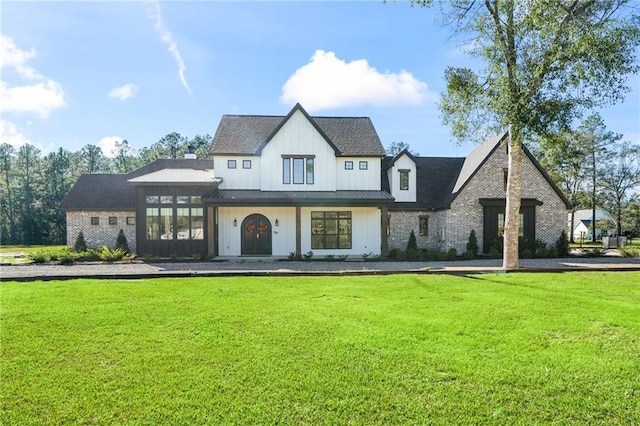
78, 73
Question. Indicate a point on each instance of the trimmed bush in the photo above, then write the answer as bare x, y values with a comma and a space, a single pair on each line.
472, 244
80, 244
412, 244
121, 242
563, 244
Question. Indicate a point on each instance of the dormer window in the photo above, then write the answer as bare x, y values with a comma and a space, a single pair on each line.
300, 170
404, 180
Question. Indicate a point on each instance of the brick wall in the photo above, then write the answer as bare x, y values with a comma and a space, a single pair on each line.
402, 222
102, 234
466, 212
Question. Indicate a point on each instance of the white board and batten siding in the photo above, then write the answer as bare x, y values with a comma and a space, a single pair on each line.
283, 236
356, 179
238, 177
365, 234
298, 137
393, 173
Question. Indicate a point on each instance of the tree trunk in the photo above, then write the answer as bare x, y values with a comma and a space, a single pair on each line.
512, 210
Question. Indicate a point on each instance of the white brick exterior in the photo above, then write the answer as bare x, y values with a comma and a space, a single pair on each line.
102, 234
450, 228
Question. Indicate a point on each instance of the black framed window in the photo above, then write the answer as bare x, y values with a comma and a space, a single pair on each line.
363, 165
231, 164
95, 220
423, 228
404, 180
170, 218
246, 164
331, 230
131, 220
113, 220
348, 165
298, 170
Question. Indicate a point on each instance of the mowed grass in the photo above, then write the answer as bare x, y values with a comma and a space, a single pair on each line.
401, 349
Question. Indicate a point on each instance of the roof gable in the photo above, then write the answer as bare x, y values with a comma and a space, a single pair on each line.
399, 155
248, 134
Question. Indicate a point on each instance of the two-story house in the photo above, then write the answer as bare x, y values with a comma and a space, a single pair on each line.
278, 185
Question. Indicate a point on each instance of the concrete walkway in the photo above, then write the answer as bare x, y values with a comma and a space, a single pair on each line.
277, 267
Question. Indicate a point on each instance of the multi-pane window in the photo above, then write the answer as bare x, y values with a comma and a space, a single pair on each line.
180, 217
299, 170
404, 180
348, 165
231, 164
113, 220
501, 224
330, 230
190, 223
131, 220
95, 220
363, 165
423, 228
246, 164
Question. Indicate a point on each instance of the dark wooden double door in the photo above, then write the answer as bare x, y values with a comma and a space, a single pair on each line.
493, 225
256, 236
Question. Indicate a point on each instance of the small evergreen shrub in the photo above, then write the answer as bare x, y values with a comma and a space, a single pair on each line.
472, 244
432, 254
526, 254
80, 244
393, 253
111, 255
39, 256
412, 244
292, 256
121, 242
196, 256
411, 254
68, 257
308, 255
563, 244
452, 254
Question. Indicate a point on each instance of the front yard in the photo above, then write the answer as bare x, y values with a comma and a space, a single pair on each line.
515, 348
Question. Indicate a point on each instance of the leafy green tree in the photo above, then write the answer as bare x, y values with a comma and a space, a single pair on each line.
546, 62
7, 200
621, 177
398, 147
93, 159
595, 140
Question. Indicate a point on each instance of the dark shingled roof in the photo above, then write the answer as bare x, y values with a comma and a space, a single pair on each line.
248, 134
100, 192
301, 198
113, 192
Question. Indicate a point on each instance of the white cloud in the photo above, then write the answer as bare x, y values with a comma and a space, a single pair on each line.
124, 92
9, 133
329, 82
108, 145
40, 97
165, 35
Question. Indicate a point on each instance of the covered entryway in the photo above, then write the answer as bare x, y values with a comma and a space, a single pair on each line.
256, 235
493, 221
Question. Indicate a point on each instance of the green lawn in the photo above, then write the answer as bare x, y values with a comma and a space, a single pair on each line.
400, 349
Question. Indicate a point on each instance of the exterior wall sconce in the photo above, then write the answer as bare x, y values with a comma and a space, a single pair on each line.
277, 223
235, 222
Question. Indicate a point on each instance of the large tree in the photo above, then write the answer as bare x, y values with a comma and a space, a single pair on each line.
546, 61
620, 178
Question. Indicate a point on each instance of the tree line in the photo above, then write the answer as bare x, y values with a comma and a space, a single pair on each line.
598, 170
33, 184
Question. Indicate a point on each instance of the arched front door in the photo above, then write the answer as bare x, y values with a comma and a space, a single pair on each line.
256, 235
